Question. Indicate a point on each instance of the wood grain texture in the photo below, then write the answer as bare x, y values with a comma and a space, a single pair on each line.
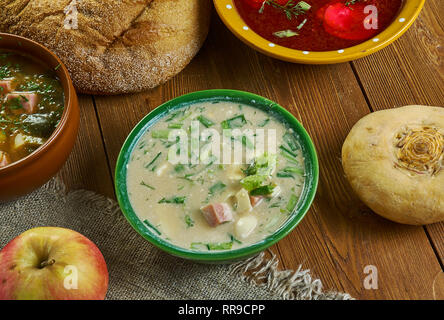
352, 237
410, 71
87, 166
339, 235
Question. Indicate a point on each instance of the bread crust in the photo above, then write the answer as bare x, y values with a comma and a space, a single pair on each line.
120, 46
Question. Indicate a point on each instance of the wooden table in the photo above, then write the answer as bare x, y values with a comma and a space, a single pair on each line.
339, 236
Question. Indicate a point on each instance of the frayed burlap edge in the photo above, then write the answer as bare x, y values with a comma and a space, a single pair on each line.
259, 270
287, 284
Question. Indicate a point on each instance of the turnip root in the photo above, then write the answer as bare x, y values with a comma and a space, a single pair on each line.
394, 161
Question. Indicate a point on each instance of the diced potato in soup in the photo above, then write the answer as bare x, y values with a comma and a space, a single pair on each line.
245, 226
243, 201
205, 194
4, 159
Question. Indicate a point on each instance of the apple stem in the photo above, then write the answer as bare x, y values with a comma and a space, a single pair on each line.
47, 263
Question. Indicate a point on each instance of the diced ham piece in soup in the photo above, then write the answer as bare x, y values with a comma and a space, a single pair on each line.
4, 159
27, 100
255, 200
217, 213
5, 86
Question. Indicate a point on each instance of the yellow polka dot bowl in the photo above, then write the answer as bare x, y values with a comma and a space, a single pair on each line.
402, 22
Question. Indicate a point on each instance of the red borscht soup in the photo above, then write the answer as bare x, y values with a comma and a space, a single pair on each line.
318, 25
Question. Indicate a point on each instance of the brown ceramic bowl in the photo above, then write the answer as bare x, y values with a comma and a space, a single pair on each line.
31, 172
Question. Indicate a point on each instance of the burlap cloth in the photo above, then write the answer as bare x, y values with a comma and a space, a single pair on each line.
140, 271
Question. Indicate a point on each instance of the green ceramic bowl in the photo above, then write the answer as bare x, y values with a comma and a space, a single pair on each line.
308, 192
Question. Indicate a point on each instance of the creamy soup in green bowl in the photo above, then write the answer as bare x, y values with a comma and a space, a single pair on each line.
216, 175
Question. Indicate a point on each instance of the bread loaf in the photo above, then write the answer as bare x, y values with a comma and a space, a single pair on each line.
113, 46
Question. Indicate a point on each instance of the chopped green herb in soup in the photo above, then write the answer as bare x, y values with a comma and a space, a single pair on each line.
200, 196
31, 105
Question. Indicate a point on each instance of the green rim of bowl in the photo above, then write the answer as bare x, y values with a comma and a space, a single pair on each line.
305, 201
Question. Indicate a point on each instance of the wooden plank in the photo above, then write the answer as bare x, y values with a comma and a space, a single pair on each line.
353, 236
410, 71
339, 236
87, 166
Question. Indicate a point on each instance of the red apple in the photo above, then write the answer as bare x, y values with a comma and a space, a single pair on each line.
52, 264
